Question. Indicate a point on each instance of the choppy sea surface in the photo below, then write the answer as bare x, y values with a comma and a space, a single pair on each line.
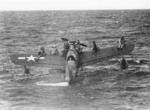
102, 86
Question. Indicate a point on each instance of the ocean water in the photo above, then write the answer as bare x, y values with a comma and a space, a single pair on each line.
102, 86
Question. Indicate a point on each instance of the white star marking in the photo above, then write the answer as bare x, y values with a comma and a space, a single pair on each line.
31, 58
21, 58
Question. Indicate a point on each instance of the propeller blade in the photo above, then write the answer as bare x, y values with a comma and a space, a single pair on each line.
64, 39
83, 45
78, 42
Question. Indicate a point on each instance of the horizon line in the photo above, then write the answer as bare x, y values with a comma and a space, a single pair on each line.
76, 10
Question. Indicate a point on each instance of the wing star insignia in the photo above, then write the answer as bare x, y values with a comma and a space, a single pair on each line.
31, 58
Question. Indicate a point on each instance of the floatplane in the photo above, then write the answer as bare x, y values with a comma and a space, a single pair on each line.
74, 58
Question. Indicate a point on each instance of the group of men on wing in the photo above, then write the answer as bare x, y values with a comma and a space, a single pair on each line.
54, 50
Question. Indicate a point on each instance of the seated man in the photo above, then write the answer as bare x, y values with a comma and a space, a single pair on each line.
54, 50
95, 48
122, 43
78, 47
42, 52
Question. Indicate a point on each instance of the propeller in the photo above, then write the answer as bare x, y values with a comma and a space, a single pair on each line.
83, 45
65, 39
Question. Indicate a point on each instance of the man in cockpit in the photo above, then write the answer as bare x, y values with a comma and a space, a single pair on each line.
65, 49
78, 47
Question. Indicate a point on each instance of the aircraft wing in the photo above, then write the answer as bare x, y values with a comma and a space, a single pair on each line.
91, 57
52, 61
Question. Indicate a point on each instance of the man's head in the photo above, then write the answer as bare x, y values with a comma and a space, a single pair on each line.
42, 48
122, 37
94, 42
54, 46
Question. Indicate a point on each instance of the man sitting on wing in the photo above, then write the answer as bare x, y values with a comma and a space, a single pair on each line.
54, 50
78, 47
122, 43
95, 48
42, 52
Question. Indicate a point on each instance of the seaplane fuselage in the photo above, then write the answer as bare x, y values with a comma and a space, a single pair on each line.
71, 62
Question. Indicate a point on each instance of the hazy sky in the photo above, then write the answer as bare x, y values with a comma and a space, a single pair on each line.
73, 4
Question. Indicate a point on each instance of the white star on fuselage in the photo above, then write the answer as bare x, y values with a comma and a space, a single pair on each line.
31, 58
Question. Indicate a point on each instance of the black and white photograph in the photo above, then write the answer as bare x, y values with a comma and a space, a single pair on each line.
74, 54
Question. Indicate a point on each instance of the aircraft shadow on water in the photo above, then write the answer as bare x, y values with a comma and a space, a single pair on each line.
73, 58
